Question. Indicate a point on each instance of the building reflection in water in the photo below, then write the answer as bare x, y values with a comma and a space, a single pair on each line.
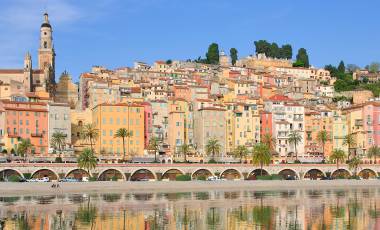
295, 209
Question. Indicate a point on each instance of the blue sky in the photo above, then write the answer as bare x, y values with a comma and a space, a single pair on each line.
115, 33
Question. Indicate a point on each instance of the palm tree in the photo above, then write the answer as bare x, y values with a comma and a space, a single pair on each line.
241, 151
354, 164
58, 141
154, 146
338, 156
349, 141
185, 150
322, 138
123, 133
373, 152
24, 147
294, 137
213, 147
87, 160
270, 141
261, 156
90, 133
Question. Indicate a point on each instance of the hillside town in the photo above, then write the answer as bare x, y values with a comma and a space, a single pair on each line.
176, 110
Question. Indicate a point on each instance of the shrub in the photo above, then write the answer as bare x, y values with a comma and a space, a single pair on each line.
27, 175
92, 178
212, 161
4, 151
14, 178
297, 162
201, 178
114, 178
58, 160
354, 178
183, 178
269, 177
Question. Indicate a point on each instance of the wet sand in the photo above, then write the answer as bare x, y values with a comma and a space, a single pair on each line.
40, 188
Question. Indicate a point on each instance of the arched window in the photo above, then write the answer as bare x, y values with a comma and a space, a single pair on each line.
45, 44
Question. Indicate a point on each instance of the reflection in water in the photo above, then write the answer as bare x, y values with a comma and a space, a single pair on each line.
288, 209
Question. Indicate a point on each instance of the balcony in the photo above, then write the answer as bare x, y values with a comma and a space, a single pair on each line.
36, 134
358, 122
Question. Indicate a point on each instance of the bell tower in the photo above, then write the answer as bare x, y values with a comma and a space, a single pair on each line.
46, 54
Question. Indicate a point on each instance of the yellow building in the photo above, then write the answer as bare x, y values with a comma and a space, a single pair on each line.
180, 124
339, 130
78, 119
108, 118
243, 124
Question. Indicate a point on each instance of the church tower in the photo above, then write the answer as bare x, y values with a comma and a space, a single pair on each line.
46, 55
28, 72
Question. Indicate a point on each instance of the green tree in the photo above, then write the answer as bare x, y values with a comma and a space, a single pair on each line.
341, 67
123, 133
274, 51
374, 67
90, 133
154, 146
298, 63
338, 156
212, 55
169, 62
213, 147
262, 46
349, 141
294, 138
322, 138
233, 55
185, 150
269, 141
373, 152
352, 68
261, 156
58, 141
87, 160
241, 151
286, 51
24, 147
303, 57
333, 70
354, 164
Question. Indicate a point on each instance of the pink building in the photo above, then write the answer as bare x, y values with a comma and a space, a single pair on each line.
25, 120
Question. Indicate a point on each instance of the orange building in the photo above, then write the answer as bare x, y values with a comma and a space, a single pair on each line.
24, 120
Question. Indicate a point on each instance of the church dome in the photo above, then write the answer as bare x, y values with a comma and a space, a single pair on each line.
46, 25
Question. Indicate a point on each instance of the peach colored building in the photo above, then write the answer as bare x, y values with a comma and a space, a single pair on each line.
25, 120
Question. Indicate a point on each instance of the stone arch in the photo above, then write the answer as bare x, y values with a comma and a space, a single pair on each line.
77, 173
287, 173
163, 161
257, 172
367, 174
340, 173
40, 173
6, 173
171, 174
314, 174
201, 173
142, 174
111, 174
231, 174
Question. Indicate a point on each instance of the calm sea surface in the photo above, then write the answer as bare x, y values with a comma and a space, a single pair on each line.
240, 209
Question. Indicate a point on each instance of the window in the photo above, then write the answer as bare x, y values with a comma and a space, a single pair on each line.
27, 122
104, 121
20, 122
65, 117
111, 120
27, 131
111, 133
104, 132
40, 141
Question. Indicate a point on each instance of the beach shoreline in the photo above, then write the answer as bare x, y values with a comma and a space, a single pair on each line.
41, 188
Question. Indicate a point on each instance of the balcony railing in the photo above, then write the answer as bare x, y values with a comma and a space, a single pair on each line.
36, 134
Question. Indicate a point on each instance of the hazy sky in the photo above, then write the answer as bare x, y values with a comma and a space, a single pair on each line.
115, 33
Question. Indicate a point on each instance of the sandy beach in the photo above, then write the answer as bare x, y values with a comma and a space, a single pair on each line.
35, 188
